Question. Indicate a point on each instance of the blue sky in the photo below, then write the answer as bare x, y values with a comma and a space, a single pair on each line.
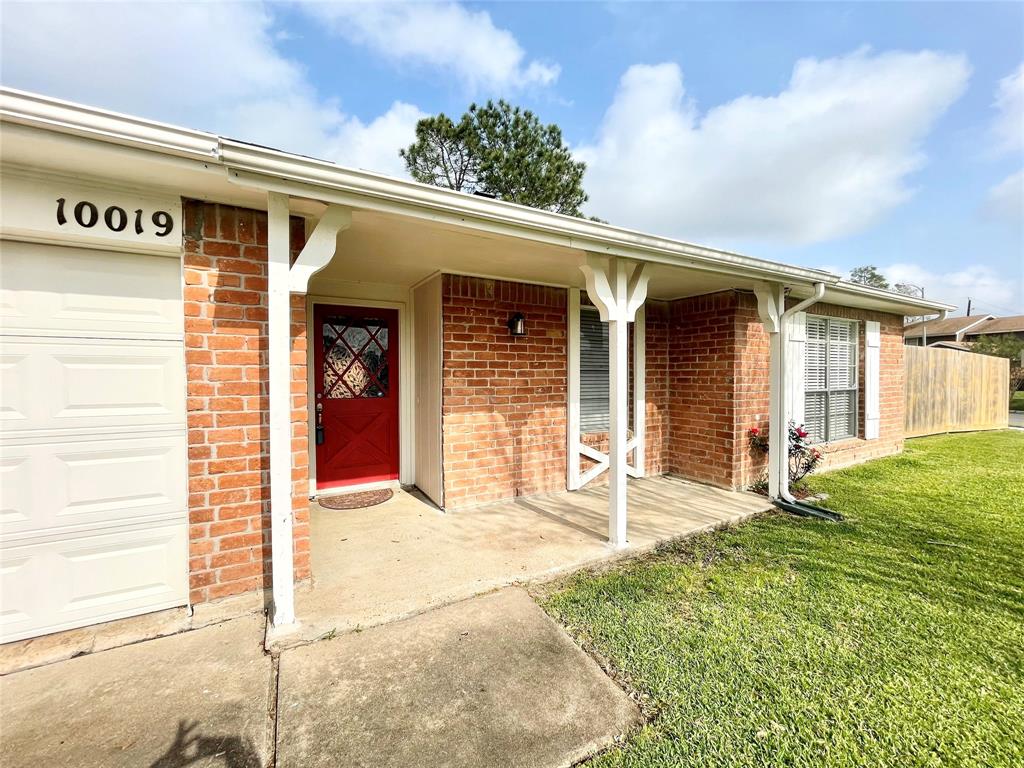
825, 134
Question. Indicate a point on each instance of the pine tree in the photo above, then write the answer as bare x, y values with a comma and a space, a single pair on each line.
502, 151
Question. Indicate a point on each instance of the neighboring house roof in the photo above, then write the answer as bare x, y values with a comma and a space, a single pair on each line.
950, 326
1011, 324
952, 345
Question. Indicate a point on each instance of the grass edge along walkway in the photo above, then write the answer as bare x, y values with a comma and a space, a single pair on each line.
895, 638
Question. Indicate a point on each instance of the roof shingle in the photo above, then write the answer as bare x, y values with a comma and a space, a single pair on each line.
948, 327
1011, 324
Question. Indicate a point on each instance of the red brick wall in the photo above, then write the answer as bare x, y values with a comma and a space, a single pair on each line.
225, 271
751, 391
503, 398
504, 406
701, 373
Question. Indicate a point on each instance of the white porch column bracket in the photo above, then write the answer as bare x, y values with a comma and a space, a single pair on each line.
320, 247
768, 306
618, 288
616, 296
636, 291
595, 271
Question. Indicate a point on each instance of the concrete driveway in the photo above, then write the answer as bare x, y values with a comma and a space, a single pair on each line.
1017, 419
489, 681
201, 698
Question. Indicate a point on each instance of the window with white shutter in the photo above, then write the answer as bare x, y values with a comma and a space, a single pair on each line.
830, 379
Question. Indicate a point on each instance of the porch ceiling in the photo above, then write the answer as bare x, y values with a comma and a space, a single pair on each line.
399, 250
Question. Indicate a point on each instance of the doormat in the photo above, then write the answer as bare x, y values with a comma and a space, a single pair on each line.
355, 500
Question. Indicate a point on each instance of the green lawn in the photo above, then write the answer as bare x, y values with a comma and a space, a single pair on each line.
895, 638
1017, 401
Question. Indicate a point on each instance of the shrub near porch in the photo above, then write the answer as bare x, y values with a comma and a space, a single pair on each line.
895, 638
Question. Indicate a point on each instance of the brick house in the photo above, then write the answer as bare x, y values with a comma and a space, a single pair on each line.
200, 335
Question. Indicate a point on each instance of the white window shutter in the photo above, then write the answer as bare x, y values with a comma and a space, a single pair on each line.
872, 365
795, 352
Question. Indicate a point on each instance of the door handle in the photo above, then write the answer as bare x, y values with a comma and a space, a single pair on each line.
320, 435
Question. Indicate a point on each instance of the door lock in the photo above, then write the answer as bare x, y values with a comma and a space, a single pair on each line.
319, 423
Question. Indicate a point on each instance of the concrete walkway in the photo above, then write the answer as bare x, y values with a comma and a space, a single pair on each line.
486, 682
489, 681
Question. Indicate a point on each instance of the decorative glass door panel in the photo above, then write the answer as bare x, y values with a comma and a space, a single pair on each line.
355, 356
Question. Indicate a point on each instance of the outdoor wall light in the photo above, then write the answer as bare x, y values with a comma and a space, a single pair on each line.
517, 325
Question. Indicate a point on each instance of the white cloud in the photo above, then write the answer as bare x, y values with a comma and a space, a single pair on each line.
152, 58
443, 36
1008, 126
374, 145
826, 157
1006, 199
211, 66
984, 285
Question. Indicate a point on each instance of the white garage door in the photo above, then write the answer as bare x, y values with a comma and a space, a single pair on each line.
92, 437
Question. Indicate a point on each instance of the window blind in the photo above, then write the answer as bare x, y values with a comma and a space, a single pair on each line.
830, 379
594, 376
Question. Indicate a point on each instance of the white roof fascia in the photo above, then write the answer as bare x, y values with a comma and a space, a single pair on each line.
257, 166
30, 109
902, 301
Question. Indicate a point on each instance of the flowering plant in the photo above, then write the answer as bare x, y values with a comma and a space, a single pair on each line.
803, 457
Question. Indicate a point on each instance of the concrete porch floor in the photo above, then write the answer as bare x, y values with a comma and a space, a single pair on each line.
379, 564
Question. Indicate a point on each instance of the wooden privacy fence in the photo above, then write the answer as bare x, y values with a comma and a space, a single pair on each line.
953, 391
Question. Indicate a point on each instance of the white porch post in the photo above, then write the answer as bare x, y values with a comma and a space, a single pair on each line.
617, 294
618, 425
279, 381
778, 419
282, 280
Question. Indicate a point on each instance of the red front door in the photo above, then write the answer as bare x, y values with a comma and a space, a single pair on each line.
356, 387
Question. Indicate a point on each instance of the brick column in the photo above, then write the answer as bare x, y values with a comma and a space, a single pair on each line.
225, 353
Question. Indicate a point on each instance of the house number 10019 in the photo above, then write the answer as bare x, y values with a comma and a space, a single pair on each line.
114, 217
